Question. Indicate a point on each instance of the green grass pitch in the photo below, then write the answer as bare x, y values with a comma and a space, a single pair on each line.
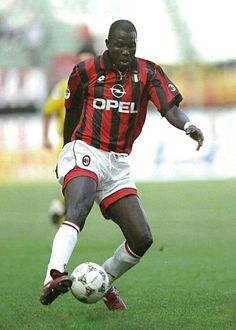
187, 280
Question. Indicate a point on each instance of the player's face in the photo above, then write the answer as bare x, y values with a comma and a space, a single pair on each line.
122, 48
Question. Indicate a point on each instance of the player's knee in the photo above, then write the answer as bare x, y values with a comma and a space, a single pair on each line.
143, 244
147, 242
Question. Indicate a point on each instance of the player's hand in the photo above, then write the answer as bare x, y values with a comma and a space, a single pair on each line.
196, 134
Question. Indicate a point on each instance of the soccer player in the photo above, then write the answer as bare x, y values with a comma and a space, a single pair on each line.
54, 107
106, 105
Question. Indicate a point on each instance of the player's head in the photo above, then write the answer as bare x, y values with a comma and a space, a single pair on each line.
121, 43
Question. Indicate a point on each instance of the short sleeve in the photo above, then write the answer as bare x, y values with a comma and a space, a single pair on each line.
163, 92
74, 89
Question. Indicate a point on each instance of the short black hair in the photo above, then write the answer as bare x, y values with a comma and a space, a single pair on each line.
121, 24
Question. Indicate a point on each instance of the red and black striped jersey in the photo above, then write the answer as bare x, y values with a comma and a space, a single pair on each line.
110, 108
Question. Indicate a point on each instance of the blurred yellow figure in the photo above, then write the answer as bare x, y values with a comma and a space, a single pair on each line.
54, 108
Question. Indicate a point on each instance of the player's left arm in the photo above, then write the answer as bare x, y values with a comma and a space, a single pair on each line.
166, 96
180, 120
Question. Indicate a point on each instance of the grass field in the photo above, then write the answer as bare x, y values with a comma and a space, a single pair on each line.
187, 280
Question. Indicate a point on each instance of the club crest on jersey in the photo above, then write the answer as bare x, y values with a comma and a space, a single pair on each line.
67, 95
86, 160
101, 78
135, 77
117, 90
172, 88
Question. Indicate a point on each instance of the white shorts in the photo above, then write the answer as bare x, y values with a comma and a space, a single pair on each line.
110, 170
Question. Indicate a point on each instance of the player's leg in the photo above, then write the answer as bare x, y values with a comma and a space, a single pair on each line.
129, 215
79, 198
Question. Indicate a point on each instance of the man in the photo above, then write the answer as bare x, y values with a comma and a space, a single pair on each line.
106, 105
54, 107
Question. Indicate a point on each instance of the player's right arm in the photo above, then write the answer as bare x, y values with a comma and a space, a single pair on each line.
73, 103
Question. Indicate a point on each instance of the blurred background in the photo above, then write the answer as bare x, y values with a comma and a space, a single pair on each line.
191, 40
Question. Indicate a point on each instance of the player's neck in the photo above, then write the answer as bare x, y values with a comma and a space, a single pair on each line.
121, 72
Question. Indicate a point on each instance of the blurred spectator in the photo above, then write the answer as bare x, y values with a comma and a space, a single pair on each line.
86, 39
22, 90
22, 30
33, 37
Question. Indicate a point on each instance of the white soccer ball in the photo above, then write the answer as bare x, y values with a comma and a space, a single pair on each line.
89, 282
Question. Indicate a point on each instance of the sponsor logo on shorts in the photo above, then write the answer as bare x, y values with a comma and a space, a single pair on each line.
101, 78
86, 160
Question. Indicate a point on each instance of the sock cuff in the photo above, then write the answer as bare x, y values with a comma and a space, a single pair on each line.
130, 252
72, 225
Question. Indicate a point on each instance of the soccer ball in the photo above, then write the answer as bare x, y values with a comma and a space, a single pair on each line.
89, 282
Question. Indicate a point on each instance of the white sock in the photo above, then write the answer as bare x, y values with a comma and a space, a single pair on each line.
62, 248
121, 261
